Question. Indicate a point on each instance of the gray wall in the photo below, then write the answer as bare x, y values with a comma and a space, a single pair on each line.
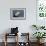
24, 25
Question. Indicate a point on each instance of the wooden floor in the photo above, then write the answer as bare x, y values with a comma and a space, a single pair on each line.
13, 44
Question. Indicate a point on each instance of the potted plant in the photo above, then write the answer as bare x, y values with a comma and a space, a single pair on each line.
39, 35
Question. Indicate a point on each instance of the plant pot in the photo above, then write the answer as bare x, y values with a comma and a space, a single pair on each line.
40, 40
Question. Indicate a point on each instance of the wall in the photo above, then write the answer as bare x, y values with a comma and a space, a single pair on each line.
24, 25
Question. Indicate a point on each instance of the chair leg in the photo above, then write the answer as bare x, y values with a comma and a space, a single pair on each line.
17, 39
5, 40
5, 43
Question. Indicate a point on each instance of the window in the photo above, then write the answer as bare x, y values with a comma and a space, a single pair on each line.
41, 8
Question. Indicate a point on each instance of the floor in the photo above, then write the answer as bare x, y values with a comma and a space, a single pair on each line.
13, 44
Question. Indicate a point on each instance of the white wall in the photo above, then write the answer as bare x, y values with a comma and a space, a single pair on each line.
24, 25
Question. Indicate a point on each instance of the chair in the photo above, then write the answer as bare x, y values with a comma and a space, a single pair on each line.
14, 32
25, 36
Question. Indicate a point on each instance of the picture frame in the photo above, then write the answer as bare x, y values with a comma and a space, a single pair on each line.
17, 13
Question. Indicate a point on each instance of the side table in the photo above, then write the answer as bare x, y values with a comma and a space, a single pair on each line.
8, 34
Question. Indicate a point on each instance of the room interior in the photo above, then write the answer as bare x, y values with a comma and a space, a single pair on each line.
22, 23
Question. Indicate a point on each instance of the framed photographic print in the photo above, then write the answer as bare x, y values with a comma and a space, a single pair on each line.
17, 13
